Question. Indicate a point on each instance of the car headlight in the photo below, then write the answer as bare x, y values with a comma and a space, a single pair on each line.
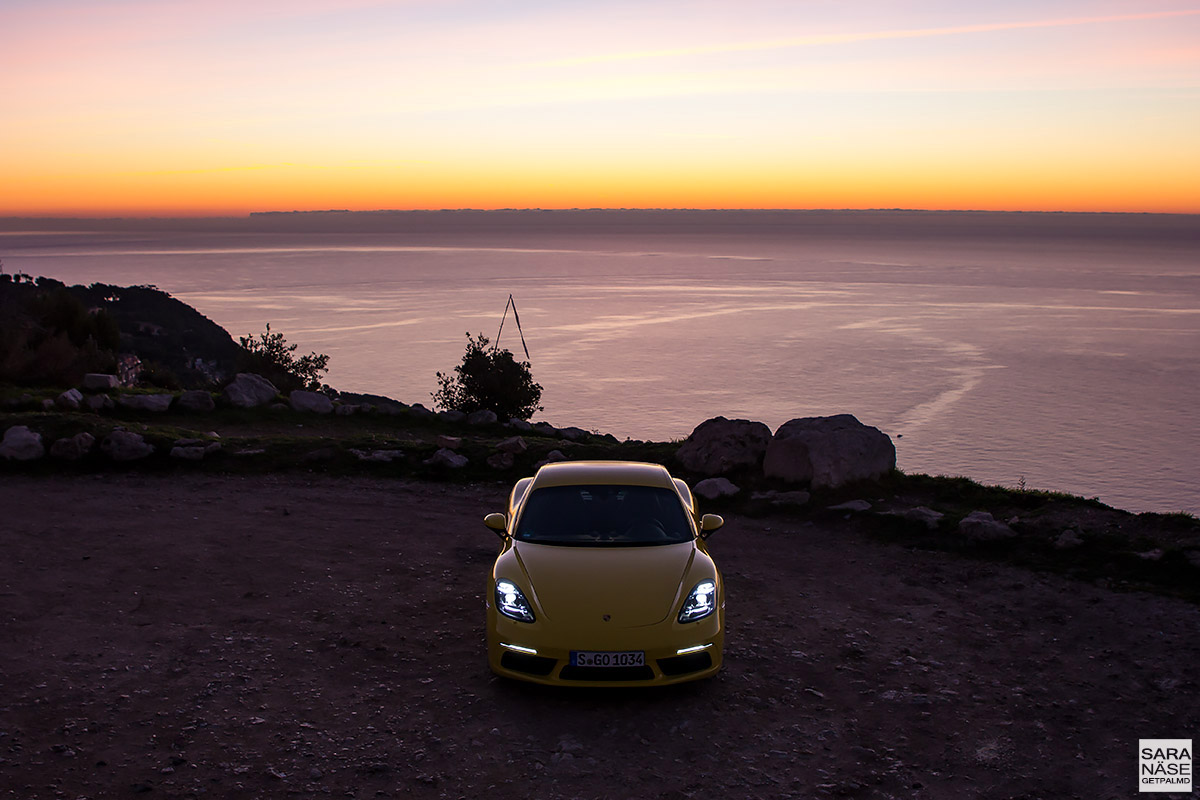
511, 602
700, 603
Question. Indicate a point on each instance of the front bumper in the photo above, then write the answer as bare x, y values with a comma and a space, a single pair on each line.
539, 653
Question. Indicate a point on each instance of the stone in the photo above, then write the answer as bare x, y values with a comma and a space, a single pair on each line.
69, 400
74, 447
448, 442
196, 400
100, 402
248, 390
446, 458
926, 516
571, 433
793, 498
481, 417
385, 456
95, 381
544, 428
21, 444
828, 452
520, 425
981, 526
501, 460
712, 488
47, 404
419, 411
452, 416
552, 457
310, 402
1151, 555
513, 444
191, 453
718, 446
345, 409
156, 403
852, 505
1068, 540
126, 446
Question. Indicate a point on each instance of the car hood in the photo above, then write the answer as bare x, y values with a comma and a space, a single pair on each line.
633, 586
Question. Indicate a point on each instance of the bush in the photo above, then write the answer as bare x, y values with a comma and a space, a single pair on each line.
272, 357
489, 379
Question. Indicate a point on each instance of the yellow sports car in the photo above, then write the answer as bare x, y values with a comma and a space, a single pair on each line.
603, 579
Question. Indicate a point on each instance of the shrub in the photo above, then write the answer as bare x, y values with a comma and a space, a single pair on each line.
272, 357
491, 379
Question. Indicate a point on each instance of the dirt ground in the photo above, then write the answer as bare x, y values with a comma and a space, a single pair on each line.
285, 636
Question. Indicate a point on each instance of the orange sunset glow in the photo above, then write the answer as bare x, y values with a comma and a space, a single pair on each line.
189, 108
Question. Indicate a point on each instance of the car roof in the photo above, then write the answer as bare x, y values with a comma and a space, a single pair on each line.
628, 473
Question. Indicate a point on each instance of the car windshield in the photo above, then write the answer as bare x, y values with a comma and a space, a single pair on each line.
595, 516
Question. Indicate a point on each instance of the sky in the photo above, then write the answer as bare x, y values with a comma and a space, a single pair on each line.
170, 107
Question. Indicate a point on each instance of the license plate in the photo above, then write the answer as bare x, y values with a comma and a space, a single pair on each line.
589, 658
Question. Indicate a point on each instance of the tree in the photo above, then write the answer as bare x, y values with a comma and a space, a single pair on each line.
489, 379
272, 357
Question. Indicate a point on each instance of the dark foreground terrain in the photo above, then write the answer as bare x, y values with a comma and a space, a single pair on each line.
244, 637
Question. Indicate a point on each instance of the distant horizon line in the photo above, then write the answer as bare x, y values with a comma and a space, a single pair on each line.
577, 210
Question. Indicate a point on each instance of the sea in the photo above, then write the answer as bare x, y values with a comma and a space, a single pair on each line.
1045, 351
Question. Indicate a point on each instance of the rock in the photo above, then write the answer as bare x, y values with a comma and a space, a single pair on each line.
74, 448
451, 416
852, 505
1193, 557
320, 455
446, 458
248, 390
386, 456
157, 403
191, 453
47, 404
980, 526
794, 498
829, 452
712, 488
520, 425
571, 433
419, 411
514, 444
481, 417
95, 381
70, 399
448, 442
545, 428
719, 445
500, 460
345, 409
100, 402
126, 446
927, 516
196, 400
552, 457
310, 402
21, 444
1151, 555
1068, 540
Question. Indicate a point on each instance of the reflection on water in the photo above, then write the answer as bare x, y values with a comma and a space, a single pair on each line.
1071, 366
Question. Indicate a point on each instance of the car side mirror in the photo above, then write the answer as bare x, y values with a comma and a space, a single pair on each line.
709, 524
497, 522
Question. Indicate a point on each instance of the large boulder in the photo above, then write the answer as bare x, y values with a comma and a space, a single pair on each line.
196, 400
248, 390
146, 402
311, 402
718, 446
446, 458
21, 444
73, 448
126, 446
482, 417
829, 452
